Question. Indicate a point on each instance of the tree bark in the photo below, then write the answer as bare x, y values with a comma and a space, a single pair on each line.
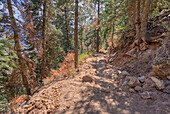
98, 38
18, 48
113, 27
144, 20
43, 69
81, 41
137, 23
67, 31
113, 24
76, 35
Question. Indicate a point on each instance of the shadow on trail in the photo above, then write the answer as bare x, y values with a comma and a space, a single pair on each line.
109, 99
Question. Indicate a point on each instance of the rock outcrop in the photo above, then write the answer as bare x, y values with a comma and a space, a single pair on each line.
161, 63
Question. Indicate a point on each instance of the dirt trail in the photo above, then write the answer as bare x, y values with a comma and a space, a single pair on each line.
103, 96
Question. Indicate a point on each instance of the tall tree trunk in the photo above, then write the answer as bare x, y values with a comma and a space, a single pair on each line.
98, 38
43, 69
67, 32
81, 42
144, 19
18, 48
137, 23
113, 27
76, 34
113, 24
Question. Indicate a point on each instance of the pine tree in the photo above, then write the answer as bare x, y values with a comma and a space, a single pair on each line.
76, 34
98, 22
144, 20
43, 70
137, 19
8, 63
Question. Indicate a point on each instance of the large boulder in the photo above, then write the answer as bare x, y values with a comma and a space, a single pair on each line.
161, 63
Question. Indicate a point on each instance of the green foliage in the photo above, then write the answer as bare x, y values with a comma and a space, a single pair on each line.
90, 36
54, 48
85, 55
7, 57
63, 22
158, 6
116, 17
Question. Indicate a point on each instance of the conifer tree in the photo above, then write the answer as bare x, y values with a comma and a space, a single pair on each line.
76, 34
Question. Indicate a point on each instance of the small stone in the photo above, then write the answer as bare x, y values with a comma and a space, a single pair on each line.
159, 83
132, 53
125, 73
108, 72
40, 112
150, 74
132, 90
68, 106
168, 77
48, 111
51, 107
37, 104
27, 106
87, 67
35, 111
124, 83
141, 79
77, 70
87, 79
105, 90
145, 95
23, 111
40, 106
128, 78
133, 82
148, 84
31, 108
138, 88
167, 89
119, 72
